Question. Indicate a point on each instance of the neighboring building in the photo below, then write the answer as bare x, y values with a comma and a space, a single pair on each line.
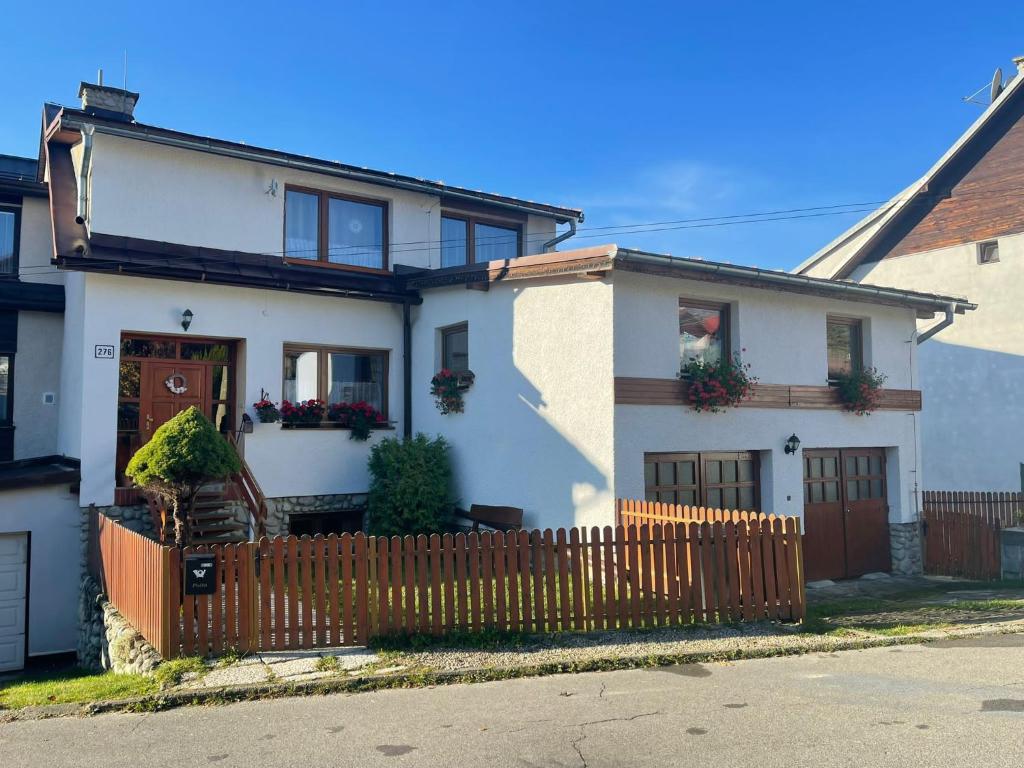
959, 230
194, 271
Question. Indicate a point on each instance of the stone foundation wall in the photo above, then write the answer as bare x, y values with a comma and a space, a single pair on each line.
135, 517
905, 544
106, 640
282, 508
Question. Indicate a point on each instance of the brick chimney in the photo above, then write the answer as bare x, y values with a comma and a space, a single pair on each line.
105, 101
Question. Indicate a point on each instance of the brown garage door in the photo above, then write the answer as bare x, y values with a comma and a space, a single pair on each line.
846, 518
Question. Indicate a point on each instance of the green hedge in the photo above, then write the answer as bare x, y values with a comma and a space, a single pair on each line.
410, 486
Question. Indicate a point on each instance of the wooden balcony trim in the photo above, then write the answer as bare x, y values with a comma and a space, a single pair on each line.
642, 391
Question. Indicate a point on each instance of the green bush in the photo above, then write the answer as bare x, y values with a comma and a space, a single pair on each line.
184, 454
410, 486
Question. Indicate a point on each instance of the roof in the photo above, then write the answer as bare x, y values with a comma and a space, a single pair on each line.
597, 260
856, 243
73, 119
19, 174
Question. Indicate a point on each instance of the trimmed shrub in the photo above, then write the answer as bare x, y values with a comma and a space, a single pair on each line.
410, 486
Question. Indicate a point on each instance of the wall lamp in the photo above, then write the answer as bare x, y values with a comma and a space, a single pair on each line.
793, 444
186, 319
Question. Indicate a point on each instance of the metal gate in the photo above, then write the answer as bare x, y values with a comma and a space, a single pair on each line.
846, 517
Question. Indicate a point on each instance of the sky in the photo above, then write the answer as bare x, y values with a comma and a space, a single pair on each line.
638, 113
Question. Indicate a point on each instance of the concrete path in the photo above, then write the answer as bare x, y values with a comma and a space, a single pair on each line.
957, 702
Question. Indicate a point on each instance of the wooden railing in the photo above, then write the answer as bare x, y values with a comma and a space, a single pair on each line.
249, 490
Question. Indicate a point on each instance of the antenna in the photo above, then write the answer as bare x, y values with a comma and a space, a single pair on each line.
997, 84
126, 69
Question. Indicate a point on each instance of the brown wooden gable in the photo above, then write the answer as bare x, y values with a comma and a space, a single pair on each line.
980, 196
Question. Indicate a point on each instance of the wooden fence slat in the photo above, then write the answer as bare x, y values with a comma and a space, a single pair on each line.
526, 612
435, 583
501, 621
337, 633
305, 565
361, 598
448, 562
320, 589
598, 581
473, 550
486, 576
461, 578
280, 611
549, 585
423, 582
578, 567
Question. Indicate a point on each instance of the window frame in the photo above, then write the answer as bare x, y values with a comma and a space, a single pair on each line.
701, 484
724, 308
16, 255
855, 364
324, 197
472, 218
7, 416
445, 333
981, 252
323, 351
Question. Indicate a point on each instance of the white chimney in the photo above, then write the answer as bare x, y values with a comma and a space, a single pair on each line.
105, 101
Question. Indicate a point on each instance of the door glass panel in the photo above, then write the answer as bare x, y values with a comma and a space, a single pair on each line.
851, 465
130, 381
128, 417
713, 471
219, 415
828, 467
876, 489
650, 474
667, 497
148, 348
816, 494
832, 491
876, 465
815, 467
651, 496
204, 351
219, 384
688, 497
746, 469
851, 490
713, 498
665, 473
746, 497
729, 498
686, 473
862, 465
863, 489
729, 471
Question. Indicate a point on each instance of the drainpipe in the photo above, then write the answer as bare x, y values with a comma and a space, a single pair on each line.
83, 176
406, 369
942, 324
550, 244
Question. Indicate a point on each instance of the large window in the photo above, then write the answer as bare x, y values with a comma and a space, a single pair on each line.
9, 241
336, 375
703, 332
455, 348
845, 346
719, 480
466, 239
355, 234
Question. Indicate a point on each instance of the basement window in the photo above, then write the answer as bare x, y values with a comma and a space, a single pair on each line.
988, 252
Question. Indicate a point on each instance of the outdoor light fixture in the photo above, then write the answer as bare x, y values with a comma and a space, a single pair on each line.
793, 444
186, 319
246, 428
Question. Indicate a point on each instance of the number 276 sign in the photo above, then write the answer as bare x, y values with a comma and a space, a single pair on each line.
105, 351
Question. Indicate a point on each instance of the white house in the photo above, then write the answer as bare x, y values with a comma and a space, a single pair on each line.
959, 230
195, 271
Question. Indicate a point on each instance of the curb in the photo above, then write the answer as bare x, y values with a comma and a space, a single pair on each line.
166, 700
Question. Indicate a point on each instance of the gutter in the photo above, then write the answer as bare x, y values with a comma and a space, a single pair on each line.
788, 280
550, 244
939, 326
208, 145
83, 176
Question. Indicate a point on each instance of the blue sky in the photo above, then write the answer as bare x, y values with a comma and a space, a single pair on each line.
639, 112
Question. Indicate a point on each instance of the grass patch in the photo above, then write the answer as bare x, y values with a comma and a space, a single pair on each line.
171, 673
72, 686
898, 630
327, 664
482, 640
980, 605
229, 657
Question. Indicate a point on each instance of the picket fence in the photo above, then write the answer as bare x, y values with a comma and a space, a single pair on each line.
291, 593
961, 531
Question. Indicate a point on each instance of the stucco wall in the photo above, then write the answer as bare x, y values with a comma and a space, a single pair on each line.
146, 190
51, 515
265, 320
70, 398
37, 371
971, 372
784, 338
36, 246
537, 430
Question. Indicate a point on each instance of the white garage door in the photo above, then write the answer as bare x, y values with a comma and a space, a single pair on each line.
13, 580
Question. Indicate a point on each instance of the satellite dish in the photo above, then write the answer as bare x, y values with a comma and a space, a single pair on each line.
997, 84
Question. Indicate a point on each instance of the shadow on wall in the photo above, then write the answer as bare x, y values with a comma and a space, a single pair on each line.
507, 448
972, 425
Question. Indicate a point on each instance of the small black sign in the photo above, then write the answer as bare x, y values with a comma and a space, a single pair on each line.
200, 575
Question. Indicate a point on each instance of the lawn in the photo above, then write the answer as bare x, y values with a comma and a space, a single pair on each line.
70, 686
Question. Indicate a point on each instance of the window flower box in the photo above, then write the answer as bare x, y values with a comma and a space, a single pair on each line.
717, 384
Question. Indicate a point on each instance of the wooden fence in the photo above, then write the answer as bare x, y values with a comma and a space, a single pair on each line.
1006, 508
288, 592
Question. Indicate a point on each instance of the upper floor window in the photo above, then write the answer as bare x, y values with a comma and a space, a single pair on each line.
9, 241
703, 332
988, 253
467, 239
845, 339
335, 229
455, 348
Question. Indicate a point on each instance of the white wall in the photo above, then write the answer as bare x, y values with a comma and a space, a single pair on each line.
784, 338
36, 246
52, 516
971, 373
70, 399
146, 190
323, 462
537, 430
37, 371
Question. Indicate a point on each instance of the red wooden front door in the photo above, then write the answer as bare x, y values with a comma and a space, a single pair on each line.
846, 517
161, 396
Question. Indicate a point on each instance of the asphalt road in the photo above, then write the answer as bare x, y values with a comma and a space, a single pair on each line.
951, 703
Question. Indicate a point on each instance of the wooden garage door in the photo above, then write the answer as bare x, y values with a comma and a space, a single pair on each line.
13, 596
846, 518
